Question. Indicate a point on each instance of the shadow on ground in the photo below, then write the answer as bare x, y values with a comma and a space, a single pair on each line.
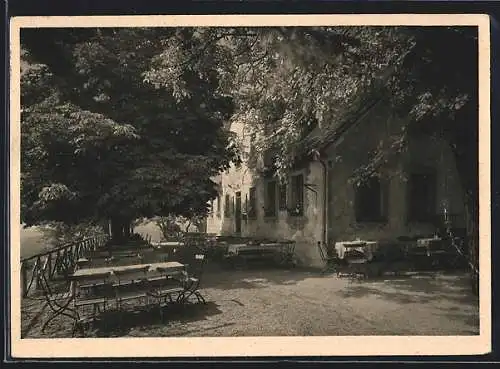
254, 276
116, 324
266, 301
414, 289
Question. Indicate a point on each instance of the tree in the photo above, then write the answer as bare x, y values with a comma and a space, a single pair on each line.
100, 141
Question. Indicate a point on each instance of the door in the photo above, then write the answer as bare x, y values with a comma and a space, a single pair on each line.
237, 213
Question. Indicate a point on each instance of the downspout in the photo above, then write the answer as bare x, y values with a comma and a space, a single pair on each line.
324, 226
325, 202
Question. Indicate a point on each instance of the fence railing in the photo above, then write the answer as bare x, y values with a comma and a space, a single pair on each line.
58, 262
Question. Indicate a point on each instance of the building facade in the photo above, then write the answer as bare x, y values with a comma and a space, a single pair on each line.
322, 202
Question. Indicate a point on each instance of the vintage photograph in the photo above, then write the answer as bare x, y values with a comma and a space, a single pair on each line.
249, 181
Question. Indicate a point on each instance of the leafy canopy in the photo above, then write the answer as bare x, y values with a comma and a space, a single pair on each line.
99, 140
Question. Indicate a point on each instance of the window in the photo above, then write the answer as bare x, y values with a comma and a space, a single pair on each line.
211, 207
371, 201
218, 207
270, 200
282, 197
297, 195
227, 206
252, 203
422, 197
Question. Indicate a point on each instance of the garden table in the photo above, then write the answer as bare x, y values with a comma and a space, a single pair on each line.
167, 243
89, 273
280, 252
366, 247
433, 246
92, 287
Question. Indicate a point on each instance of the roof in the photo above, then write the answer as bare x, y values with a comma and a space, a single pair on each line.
322, 137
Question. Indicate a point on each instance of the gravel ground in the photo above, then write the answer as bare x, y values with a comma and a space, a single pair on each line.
299, 302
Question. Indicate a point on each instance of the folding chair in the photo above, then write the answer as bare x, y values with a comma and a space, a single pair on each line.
330, 262
59, 303
357, 260
193, 280
161, 289
288, 254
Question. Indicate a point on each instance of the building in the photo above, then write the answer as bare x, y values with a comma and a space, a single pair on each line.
321, 202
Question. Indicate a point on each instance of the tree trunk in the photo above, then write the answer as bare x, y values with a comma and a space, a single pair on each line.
120, 229
465, 145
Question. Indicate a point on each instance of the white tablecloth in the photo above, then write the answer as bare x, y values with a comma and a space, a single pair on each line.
366, 247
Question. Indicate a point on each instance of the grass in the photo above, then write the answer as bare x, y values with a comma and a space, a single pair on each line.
33, 241
277, 302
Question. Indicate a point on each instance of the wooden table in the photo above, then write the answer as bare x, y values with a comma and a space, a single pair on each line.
366, 247
167, 243
433, 245
86, 273
85, 295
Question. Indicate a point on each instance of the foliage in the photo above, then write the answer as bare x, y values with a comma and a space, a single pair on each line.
169, 227
99, 140
286, 81
58, 233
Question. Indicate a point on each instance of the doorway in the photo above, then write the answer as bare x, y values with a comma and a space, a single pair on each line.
237, 213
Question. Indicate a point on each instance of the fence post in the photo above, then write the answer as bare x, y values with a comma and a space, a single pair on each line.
24, 278
36, 272
49, 266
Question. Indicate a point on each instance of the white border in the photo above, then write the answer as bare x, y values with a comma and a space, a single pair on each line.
257, 346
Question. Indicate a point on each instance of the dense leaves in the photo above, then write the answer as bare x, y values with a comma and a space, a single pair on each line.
101, 141
287, 81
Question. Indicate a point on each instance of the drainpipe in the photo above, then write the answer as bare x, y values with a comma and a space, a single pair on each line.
324, 233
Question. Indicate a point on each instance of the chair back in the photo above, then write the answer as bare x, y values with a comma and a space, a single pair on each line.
321, 251
290, 248
195, 269
44, 285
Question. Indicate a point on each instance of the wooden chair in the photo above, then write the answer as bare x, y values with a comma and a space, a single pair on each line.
58, 302
288, 254
163, 288
331, 262
357, 261
192, 281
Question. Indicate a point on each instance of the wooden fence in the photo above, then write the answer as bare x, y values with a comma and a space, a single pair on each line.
58, 262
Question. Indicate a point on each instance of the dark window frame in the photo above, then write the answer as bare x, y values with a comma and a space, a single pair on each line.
271, 203
282, 196
227, 206
296, 195
252, 203
371, 201
218, 206
419, 209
